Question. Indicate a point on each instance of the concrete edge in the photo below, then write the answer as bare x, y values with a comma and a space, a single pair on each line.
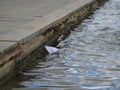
54, 18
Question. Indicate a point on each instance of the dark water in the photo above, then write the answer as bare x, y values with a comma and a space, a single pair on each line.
88, 59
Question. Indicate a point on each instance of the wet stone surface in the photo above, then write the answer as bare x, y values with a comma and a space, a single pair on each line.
88, 58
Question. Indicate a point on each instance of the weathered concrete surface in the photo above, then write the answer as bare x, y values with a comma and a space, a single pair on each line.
14, 13
6, 70
27, 24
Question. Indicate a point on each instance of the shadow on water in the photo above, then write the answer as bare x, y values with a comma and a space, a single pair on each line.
88, 58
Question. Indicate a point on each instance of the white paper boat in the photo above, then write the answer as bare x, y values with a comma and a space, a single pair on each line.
51, 49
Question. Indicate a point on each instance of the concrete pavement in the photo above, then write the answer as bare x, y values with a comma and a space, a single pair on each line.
15, 13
